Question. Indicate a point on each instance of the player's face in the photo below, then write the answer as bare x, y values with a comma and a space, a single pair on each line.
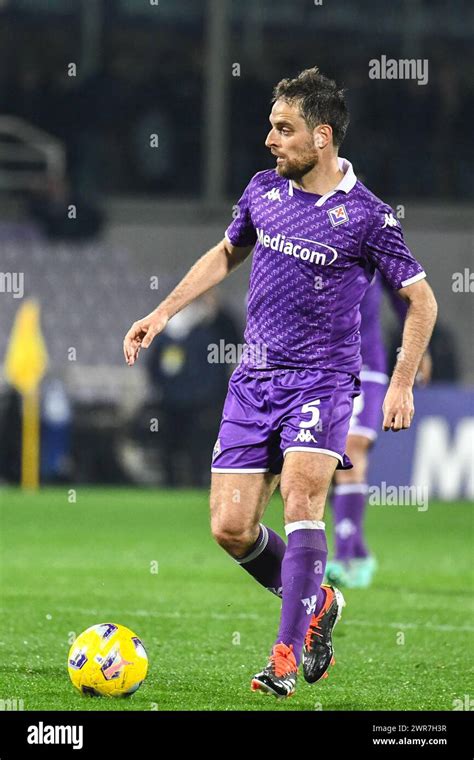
291, 141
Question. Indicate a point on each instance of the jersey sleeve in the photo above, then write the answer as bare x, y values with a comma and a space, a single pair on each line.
385, 248
241, 231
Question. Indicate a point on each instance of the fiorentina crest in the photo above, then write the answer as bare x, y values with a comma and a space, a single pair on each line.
338, 215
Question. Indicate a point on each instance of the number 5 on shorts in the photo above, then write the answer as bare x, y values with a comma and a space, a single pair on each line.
312, 408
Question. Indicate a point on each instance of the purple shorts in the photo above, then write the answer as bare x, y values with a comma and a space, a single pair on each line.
367, 416
269, 413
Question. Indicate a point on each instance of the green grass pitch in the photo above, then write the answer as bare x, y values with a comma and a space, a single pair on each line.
404, 644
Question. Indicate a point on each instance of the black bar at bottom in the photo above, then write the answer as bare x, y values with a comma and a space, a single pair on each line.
151, 734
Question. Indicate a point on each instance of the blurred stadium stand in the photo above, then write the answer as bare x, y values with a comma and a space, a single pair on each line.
142, 213
144, 67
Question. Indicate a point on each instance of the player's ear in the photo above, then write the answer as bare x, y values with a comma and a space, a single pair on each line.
322, 135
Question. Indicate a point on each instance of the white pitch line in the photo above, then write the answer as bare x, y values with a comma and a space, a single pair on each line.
440, 627
171, 615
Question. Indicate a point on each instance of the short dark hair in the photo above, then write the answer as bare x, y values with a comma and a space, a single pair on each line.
319, 100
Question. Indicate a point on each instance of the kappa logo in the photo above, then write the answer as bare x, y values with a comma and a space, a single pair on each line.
338, 215
305, 436
273, 194
389, 221
310, 604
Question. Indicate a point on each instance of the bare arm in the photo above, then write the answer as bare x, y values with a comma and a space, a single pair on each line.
399, 303
420, 319
207, 272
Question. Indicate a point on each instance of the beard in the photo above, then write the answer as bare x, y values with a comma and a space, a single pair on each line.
296, 168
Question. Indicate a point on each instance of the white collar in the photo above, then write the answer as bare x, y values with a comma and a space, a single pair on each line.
346, 184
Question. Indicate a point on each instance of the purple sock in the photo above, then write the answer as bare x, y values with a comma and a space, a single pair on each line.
302, 572
263, 560
348, 505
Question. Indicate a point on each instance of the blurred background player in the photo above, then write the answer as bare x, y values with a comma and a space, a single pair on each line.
353, 565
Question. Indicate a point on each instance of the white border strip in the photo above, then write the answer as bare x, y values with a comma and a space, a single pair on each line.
304, 525
411, 280
239, 469
319, 451
344, 488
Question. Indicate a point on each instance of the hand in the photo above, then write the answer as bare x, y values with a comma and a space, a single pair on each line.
142, 333
398, 408
423, 376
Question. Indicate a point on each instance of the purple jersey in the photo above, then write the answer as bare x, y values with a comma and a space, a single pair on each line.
374, 359
313, 260
372, 348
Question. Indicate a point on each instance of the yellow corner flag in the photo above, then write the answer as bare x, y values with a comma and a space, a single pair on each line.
25, 364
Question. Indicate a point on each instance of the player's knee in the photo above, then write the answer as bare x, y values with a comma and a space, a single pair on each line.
235, 540
302, 503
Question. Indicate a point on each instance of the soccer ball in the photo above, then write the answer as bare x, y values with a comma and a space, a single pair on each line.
107, 660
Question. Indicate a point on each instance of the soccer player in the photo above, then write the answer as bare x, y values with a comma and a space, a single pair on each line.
317, 236
353, 565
